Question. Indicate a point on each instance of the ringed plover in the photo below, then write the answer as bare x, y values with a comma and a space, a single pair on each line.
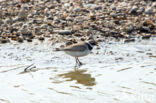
79, 49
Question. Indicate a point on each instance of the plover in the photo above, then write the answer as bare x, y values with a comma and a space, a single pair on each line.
79, 49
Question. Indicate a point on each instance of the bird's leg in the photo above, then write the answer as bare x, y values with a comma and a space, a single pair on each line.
76, 61
80, 63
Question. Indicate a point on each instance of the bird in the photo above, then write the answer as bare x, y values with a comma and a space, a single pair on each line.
79, 49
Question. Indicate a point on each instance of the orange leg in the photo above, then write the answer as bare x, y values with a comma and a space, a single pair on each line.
76, 60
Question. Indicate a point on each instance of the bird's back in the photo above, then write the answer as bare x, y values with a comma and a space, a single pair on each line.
76, 47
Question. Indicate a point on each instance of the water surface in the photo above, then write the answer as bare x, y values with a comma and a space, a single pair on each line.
113, 73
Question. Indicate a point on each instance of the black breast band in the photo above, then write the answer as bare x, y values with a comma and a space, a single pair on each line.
89, 46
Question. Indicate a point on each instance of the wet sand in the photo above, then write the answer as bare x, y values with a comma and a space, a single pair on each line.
114, 72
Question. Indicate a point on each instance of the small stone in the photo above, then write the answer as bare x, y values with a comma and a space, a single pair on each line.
129, 40
77, 9
4, 25
145, 29
4, 41
57, 21
114, 15
20, 39
113, 7
8, 21
82, 39
110, 1
25, 1
13, 30
134, 10
129, 28
44, 26
50, 28
26, 33
1, 22
14, 38
117, 22
149, 11
64, 32
50, 17
146, 37
141, 10
97, 8
41, 38
69, 43
58, 1
51, 6
22, 14
20, 24
29, 40
86, 27
67, 5
37, 30
62, 46
39, 21
93, 17
77, 34
91, 1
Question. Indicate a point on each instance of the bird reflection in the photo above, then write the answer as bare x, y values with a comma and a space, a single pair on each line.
80, 76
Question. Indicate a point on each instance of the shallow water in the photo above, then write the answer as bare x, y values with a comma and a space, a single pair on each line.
113, 73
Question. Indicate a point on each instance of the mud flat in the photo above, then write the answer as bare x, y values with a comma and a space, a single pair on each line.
114, 72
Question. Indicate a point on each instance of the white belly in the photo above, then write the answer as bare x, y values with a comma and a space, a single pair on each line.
77, 53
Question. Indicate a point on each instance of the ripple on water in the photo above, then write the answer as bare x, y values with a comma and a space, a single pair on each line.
4, 100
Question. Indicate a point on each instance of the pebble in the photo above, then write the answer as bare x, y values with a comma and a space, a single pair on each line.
149, 11
4, 41
37, 30
25, 1
146, 37
41, 38
129, 40
44, 26
26, 33
141, 10
20, 39
114, 15
22, 15
145, 29
29, 40
64, 32
1, 22
77, 9
67, 5
134, 10
8, 21
97, 8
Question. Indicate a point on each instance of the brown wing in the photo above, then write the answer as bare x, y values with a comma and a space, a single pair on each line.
76, 47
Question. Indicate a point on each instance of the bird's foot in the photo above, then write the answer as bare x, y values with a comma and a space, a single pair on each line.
80, 63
